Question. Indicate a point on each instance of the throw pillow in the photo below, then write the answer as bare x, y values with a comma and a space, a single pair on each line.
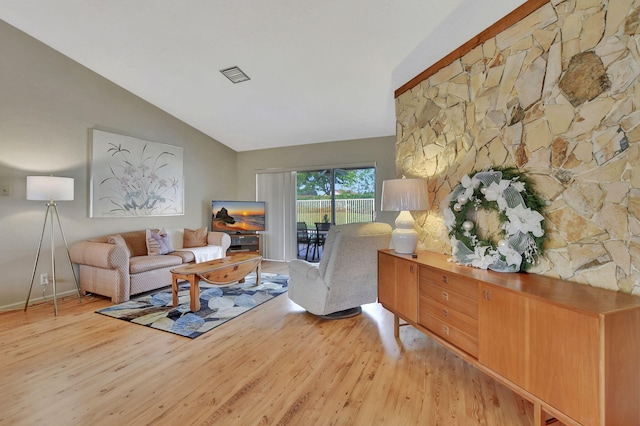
195, 237
118, 240
158, 242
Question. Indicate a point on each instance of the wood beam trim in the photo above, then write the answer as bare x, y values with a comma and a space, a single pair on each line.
515, 16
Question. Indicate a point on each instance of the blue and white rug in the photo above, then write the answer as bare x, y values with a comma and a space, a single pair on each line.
217, 305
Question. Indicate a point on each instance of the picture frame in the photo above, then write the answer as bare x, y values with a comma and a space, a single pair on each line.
132, 177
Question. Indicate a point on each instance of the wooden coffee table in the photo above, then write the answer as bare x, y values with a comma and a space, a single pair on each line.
222, 272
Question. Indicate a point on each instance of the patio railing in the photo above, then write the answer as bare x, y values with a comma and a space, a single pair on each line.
347, 211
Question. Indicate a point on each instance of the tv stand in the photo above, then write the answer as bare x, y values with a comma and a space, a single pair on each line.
246, 243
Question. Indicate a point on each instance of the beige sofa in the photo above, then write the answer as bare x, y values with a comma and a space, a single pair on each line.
120, 267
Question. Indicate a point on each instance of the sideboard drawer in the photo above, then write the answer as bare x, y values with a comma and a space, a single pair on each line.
450, 299
457, 319
450, 282
451, 334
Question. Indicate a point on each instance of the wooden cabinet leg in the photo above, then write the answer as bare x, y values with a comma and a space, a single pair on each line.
538, 415
396, 326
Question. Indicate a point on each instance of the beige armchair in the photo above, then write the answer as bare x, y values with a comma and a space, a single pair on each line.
347, 275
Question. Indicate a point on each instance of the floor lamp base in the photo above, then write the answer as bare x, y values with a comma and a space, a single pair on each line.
52, 210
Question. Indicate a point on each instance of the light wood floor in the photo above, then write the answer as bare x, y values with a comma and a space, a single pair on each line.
275, 365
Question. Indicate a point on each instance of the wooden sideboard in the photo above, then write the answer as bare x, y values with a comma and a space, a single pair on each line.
571, 349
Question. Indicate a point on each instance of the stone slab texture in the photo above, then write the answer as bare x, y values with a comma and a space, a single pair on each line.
556, 95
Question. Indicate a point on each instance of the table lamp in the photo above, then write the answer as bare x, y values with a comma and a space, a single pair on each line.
51, 189
403, 195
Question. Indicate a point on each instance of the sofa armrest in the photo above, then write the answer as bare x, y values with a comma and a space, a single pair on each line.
100, 255
219, 239
104, 269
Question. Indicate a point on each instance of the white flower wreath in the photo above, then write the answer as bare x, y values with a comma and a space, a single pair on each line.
522, 225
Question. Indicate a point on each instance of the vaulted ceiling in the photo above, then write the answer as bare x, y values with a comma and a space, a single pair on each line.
319, 71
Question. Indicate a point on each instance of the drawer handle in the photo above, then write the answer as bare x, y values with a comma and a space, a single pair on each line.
445, 313
445, 279
411, 269
445, 330
445, 296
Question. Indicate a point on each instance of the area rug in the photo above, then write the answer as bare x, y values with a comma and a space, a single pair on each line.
217, 305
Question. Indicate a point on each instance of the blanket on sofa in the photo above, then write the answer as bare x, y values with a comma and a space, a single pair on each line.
206, 253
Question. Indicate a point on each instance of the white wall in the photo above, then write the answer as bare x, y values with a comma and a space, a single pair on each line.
48, 104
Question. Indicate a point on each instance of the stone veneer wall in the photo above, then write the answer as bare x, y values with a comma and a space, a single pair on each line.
556, 95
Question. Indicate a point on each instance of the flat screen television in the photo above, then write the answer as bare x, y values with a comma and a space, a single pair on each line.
238, 217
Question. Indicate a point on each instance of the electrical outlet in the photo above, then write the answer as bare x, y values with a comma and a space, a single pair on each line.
44, 279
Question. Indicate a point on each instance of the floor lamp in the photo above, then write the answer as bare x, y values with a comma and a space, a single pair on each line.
403, 195
51, 188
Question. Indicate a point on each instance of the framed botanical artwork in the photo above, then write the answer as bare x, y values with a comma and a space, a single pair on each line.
134, 177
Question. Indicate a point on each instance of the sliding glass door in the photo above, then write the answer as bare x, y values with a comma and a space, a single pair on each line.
332, 195
336, 196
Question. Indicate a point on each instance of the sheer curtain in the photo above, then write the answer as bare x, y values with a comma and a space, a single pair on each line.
278, 190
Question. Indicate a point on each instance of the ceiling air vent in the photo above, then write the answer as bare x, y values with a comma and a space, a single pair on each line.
235, 74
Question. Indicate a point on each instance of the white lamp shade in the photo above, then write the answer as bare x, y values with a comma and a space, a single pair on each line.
49, 188
404, 194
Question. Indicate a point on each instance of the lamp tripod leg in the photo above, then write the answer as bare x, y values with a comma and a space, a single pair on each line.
66, 246
35, 264
53, 266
